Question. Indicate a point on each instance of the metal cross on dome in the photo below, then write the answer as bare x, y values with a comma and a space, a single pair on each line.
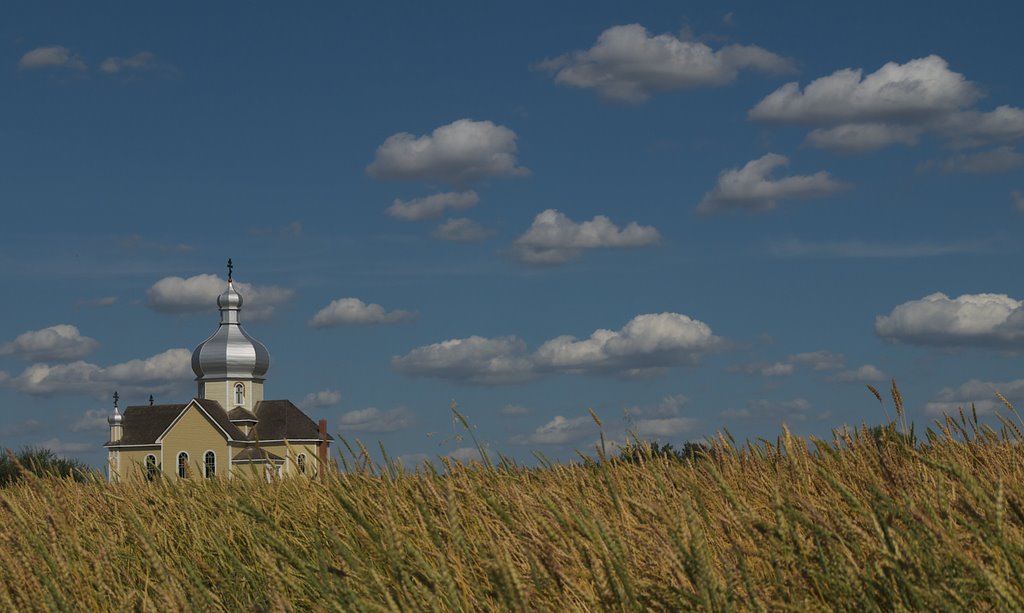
231, 267
116, 398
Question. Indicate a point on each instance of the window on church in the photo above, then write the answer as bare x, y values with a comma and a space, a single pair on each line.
301, 463
151, 468
239, 394
183, 465
210, 464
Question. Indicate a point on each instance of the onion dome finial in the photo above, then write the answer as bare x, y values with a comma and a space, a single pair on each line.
230, 352
115, 418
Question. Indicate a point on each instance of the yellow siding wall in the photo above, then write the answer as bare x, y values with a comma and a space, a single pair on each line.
290, 452
195, 434
131, 461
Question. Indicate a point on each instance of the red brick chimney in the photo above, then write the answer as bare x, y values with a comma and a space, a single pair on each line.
322, 449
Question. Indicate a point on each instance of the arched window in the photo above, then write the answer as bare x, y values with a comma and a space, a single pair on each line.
301, 463
183, 465
210, 464
239, 394
151, 468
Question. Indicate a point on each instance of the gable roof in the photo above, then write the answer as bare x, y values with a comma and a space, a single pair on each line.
280, 419
143, 424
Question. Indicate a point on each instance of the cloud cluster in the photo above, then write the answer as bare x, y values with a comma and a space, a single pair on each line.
461, 230
474, 359
93, 420
553, 238
816, 360
142, 61
156, 374
355, 312
645, 346
60, 57
559, 431
55, 343
980, 394
461, 152
51, 57
660, 421
970, 320
853, 112
373, 419
627, 64
198, 294
796, 409
433, 206
868, 373
751, 188
323, 398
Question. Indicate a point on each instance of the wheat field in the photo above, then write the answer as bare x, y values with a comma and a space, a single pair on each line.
865, 521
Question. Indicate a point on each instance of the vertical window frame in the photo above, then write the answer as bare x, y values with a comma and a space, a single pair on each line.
209, 467
182, 465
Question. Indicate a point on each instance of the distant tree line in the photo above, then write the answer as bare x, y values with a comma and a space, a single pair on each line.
40, 462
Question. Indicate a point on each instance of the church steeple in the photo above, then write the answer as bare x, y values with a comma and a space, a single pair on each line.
230, 365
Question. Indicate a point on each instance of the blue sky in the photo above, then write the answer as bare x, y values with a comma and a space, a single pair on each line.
685, 217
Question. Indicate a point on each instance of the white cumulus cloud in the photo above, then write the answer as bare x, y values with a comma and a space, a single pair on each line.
553, 238
373, 419
156, 374
474, 360
896, 104
627, 64
458, 153
51, 57
55, 343
920, 88
752, 188
433, 206
647, 345
198, 294
980, 320
355, 312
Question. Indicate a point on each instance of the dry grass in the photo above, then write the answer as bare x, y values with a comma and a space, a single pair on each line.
863, 522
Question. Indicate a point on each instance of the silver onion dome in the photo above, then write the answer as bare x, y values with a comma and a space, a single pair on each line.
230, 353
115, 418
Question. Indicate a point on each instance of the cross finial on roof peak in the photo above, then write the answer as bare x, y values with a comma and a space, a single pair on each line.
116, 398
231, 267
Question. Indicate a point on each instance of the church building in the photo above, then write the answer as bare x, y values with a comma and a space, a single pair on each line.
228, 428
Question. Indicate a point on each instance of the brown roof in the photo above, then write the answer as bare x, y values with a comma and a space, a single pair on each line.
255, 454
241, 414
142, 425
280, 419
